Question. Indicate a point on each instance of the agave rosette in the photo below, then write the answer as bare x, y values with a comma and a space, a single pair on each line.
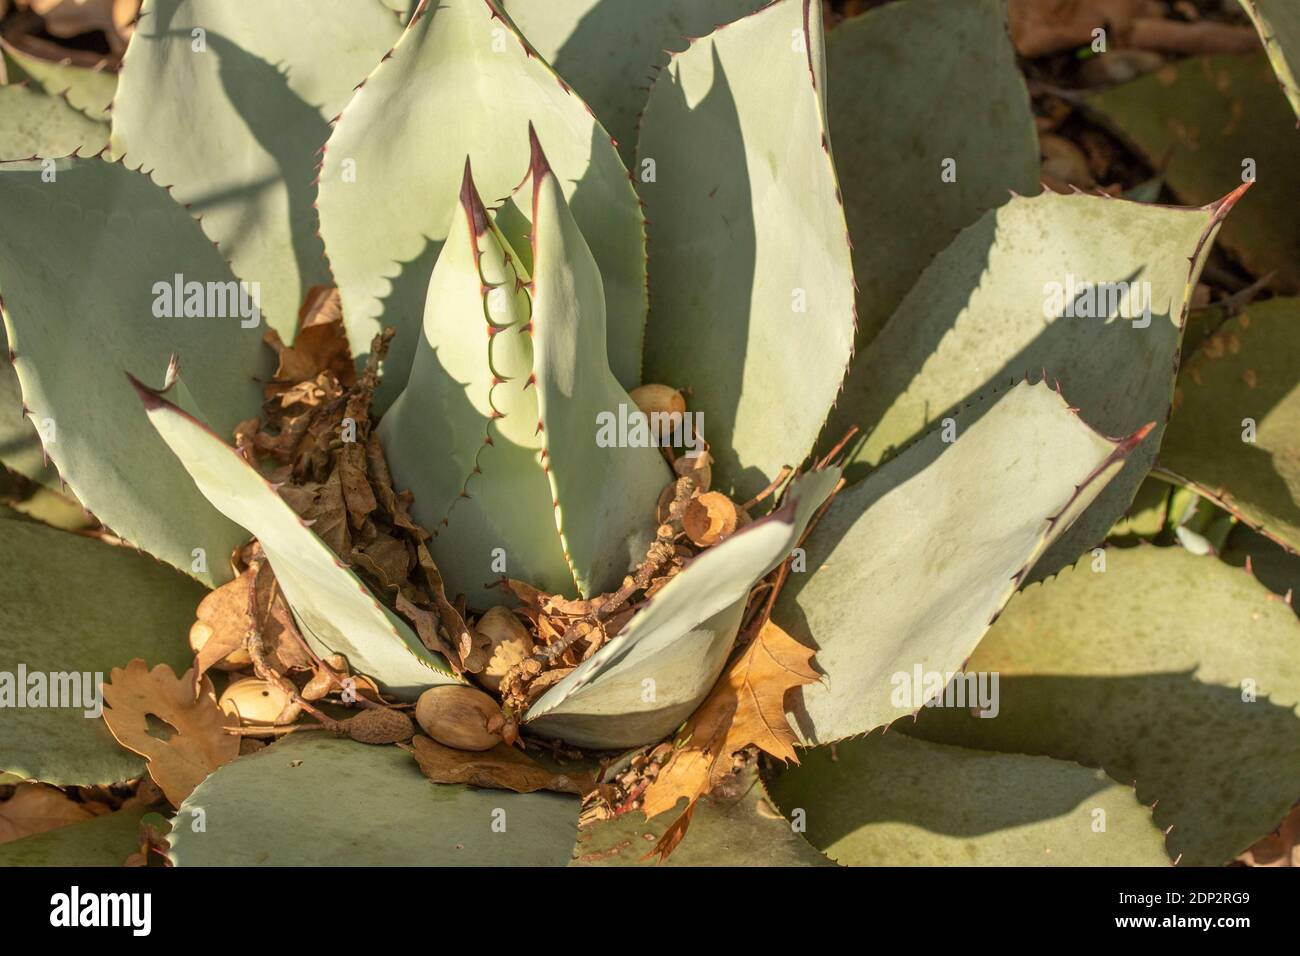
446, 173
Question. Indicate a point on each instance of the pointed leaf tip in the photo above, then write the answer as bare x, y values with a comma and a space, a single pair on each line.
151, 398
472, 202
1221, 207
1132, 441
538, 165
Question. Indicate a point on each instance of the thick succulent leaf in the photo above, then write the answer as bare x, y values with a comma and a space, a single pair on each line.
460, 82
80, 293
1278, 23
642, 684
268, 76
70, 605
90, 91
752, 283
966, 106
462, 436
908, 568
1244, 383
609, 50
331, 605
20, 442
1173, 670
1206, 123
103, 841
740, 827
983, 312
315, 800
892, 800
605, 494
35, 123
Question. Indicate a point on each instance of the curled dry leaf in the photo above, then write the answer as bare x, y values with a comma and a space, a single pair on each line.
319, 346
35, 808
200, 743
221, 621
501, 768
745, 708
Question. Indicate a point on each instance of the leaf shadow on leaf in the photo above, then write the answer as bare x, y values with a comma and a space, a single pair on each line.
403, 309
1221, 771
722, 302
632, 36
878, 779
1068, 352
1272, 565
278, 119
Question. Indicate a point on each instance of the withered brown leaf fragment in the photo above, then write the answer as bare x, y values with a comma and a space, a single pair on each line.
357, 493
501, 768
221, 621
472, 649
326, 513
35, 808
426, 627
746, 708
284, 650
200, 743
320, 345
384, 558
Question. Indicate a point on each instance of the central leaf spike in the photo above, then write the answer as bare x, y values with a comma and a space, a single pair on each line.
496, 432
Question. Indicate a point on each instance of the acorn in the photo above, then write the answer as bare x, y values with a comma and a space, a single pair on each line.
658, 398
380, 725
201, 632
710, 518
457, 716
662, 400
510, 644
258, 702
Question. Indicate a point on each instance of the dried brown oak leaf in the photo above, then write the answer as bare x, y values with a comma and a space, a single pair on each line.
35, 808
501, 768
745, 708
199, 745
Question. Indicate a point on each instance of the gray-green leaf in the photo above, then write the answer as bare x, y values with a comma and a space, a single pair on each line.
896, 801
1177, 671
315, 800
907, 570
89, 287
751, 284
72, 609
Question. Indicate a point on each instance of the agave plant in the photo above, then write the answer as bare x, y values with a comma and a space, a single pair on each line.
1010, 358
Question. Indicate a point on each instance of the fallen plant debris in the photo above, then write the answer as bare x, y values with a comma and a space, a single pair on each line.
199, 743
469, 555
502, 768
746, 709
34, 808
